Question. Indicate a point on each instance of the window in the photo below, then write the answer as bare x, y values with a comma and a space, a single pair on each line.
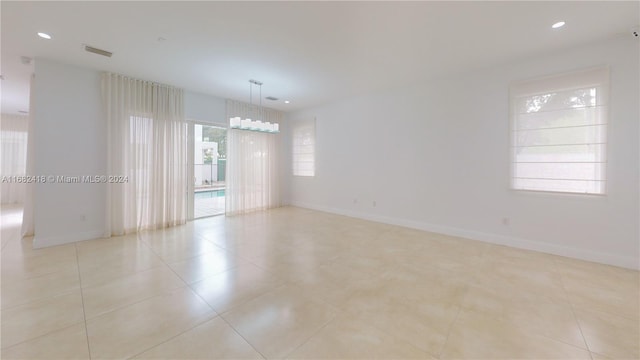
558, 132
13, 157
304, 148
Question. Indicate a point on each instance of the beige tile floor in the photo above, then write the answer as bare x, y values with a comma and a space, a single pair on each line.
294, 283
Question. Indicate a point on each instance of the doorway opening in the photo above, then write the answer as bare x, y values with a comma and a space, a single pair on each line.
209, 170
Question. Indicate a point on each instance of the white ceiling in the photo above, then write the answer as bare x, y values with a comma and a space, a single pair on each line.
307, 52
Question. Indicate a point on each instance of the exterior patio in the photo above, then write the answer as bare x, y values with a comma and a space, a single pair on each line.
209, 200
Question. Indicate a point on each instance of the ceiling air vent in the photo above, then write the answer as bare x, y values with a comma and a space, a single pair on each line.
271, 98
91, 49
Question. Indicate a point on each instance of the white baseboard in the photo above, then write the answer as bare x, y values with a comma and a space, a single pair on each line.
629, 262
41, 242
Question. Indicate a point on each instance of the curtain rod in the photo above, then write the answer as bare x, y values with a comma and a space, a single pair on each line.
125, 77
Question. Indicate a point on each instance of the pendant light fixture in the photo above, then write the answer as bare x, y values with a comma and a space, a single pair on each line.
254, 125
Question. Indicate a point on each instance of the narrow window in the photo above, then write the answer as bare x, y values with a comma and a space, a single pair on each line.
304, 148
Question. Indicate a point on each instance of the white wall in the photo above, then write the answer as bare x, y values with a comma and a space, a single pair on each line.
205, 108
444, 146
69, 132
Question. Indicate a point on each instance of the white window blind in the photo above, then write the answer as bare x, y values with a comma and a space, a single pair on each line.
558, 132
304, 147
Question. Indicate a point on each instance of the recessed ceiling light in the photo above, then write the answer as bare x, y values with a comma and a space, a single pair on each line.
287, 101
44, 35
559, 24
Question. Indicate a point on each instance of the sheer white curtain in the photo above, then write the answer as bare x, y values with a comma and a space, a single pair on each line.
147, 150
13, 157
252, 162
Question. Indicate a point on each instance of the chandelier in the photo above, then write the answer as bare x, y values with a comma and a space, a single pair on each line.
254, 125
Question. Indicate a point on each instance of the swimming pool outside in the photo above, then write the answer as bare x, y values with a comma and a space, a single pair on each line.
208, 203
209, 194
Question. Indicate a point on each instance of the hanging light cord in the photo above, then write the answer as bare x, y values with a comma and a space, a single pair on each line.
261, 110
259, 83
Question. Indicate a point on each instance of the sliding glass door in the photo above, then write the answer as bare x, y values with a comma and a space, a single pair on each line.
208, 169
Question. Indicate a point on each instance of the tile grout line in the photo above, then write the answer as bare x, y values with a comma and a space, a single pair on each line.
542, 334
84, 315
47, 299
446, 340
573, 311
135, 302
39, 336
172, 337
187, 285
568, 302
49, 273
243, 301
31, 302
243, 338
548, 337
204, 278
314, 334
121, 277
132, 274
181, 279
203, 300
221, 315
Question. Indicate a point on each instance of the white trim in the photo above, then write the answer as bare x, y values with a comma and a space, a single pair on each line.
628, 262
41, 242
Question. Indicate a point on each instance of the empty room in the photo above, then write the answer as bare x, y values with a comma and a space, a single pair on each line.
320, 180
